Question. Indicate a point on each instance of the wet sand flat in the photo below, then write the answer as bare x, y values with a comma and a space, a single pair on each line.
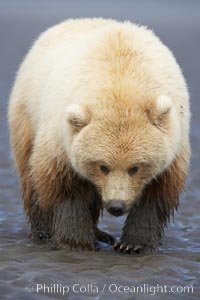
30, 270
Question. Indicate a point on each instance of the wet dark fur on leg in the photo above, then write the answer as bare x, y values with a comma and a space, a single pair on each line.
72, 226
143, 228
69, 224
40, 221
145, 223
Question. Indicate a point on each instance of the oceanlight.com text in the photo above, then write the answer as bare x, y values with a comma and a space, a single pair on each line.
113, 288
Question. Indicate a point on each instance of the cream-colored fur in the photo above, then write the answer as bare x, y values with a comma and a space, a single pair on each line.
98, 92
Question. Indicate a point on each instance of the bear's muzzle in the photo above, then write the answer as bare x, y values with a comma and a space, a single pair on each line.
116, 207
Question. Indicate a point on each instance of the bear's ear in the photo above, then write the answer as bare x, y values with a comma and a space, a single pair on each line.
77, 116
159, 110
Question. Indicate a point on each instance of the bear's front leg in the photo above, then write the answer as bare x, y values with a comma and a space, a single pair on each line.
73, 226
143, 229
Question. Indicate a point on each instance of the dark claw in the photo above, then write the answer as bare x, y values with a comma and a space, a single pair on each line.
137, 249
122, 247
117, 245
129, 248
47, 236
40, 235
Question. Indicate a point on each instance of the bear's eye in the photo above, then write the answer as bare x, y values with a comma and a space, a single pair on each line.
133, 170
104, 169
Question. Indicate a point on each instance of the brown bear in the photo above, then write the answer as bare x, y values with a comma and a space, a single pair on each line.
99, 118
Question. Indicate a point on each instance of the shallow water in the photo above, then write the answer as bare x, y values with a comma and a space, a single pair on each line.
25, 265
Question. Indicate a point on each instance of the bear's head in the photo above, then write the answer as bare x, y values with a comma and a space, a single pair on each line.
121, 147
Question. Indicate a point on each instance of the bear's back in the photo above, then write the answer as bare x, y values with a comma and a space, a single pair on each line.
80, 54
55, 51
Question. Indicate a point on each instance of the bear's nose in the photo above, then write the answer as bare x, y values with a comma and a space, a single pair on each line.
116, 207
